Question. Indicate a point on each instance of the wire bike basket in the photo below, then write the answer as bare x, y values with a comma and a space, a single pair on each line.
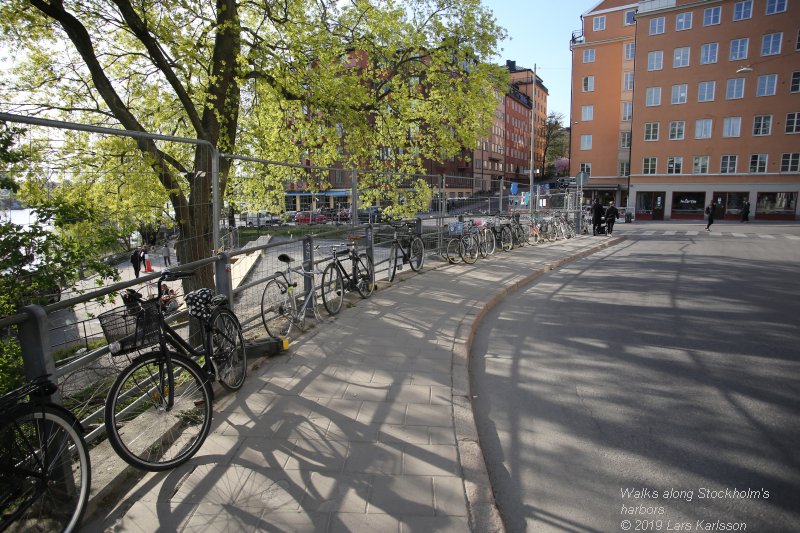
131, 327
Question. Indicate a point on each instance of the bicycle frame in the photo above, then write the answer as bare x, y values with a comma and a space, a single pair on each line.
350, 253
310, 299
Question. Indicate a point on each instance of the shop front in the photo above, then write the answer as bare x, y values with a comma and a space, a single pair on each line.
776, 206
650, 205
688, 205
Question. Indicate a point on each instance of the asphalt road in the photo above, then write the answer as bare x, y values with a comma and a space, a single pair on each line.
669, 365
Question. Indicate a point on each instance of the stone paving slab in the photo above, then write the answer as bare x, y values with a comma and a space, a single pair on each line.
364, 424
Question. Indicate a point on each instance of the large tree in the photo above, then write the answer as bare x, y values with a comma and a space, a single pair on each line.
298, 81
556, 142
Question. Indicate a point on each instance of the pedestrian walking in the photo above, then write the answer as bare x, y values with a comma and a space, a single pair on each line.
710, 212
611, 216
597, 216
148, 267
166, 255
136, 261
746, 211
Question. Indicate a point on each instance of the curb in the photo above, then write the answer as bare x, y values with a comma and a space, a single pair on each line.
483, 513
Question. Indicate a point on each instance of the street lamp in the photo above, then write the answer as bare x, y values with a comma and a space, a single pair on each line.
746, 68
533, 135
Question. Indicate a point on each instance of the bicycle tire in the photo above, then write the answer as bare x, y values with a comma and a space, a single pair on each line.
37, 495
393, 251
468, 249
489, 241
332, 289
519, 237
506, 238
365, 276
227, 348
276, 309
451, 252
141, 430
417, 249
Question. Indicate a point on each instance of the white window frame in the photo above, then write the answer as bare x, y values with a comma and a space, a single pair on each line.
677, 130
794, 85
599, 23
627, 81
776, 6
759, 163
741, 52
743, 10
629, 51
625, 21
587, 113
651, 130
768, 44
680, 57
790, 162
732, 127
586, 141
624, 139
767, 85
725, 165
588, 84
703, 128
792, 123
627, 111
680, 94
712, 16
586, 167
655, 60
703, 92
646, 165
709, 52
700, 164
675, 162
657, 25
588, 55
734, 89
762, 125
683, 21
653, 96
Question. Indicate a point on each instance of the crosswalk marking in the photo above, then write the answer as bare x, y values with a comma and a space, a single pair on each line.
739, 234
767, 236
689, 233
692, 232
793, 237
649, 233
670, 232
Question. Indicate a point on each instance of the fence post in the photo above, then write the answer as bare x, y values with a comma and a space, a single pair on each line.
502, 186
308, 265
222, 273
370, 237
354, 201
34, 337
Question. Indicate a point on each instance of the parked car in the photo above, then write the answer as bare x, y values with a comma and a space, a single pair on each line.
308, 217
370, 214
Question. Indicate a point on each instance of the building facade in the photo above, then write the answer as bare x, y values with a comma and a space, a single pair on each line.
710, 91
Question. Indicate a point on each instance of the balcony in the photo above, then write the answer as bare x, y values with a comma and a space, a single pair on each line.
577, 38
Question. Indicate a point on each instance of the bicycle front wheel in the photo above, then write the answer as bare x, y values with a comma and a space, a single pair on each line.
46, 470
417, 254
506, 238
227, 345
332, 289
393, 251
365, 276
468, 249
276, 309
489, 242
141, 426
452, 253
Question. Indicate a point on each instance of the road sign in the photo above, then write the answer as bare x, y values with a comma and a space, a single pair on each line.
582, 178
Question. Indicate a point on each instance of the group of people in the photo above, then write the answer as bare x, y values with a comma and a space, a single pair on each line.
140, 258
600, 214
712, 208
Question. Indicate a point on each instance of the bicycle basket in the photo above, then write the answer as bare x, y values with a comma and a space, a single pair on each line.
130, 328
456, 228
199, 303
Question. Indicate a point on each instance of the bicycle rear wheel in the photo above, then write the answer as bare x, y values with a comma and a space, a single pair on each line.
506, 238
417, 258
46, 470
452, 254
468, 249
276, 309
332, 289
142, 429
489, 243
227, 348
393, 251
365, 276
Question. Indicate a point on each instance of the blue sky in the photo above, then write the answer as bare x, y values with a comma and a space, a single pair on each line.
539, 32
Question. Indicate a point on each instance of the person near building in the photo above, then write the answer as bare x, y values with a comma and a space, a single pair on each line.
746, 211
710, 208
597, 216
166, 255
611, 216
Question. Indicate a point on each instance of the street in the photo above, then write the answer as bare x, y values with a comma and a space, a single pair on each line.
650, 386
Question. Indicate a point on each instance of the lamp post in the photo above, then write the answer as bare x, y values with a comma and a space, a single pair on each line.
533, 136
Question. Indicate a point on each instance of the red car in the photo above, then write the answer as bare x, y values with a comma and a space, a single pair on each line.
307, 217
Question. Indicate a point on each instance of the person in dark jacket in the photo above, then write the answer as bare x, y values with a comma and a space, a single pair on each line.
136, 261
710, 212
611, 216
597, 216
746, 211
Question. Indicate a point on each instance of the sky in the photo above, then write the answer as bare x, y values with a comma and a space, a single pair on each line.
538, 33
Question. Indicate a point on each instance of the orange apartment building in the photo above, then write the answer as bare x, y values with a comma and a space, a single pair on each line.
713, 115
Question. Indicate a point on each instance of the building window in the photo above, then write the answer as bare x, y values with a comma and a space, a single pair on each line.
738, 49
649, 165
793, 123
776, 6
653, 96
681, 57
630, 51
708, 53
702, 128
683, 21
588, 55
656, 25
711, 16
624, 139
762, 125
624, 168
586, 167
734, 89
586, 142
651, 131
727, 164
705, 91
758, 163
767, 85
588, 84
674, 165
599, 23
627, 83
679, 93
732, 127
771, 44
700, 164
743, 10
627, 111
676, 129
795, 86
630, 17
655, 60
790, 162
587, 112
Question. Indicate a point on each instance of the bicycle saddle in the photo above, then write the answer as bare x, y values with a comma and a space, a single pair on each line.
283, 258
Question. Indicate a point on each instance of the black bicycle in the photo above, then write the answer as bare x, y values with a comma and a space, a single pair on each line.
336, 279
406, 248
158, 411
45, 473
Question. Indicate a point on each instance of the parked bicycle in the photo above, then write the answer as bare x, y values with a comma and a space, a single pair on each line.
406, 248
45, 472
280, 309
158, 411
336, 279
463, 243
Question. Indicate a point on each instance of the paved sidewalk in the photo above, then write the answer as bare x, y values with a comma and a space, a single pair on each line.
364, 424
